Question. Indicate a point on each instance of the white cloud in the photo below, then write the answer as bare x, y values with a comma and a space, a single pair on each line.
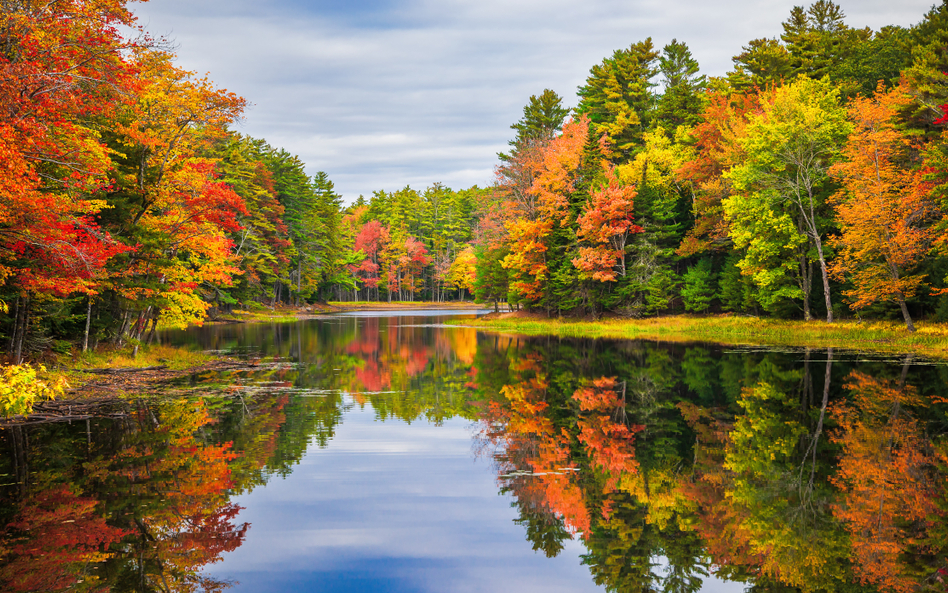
382, 94
387, 497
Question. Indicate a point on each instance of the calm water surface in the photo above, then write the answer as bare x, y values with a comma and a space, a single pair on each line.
384, 452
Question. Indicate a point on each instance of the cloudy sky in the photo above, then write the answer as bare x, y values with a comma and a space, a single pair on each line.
399, 508
381, 94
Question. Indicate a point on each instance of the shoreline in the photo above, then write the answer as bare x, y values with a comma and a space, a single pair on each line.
878, 337
930, 341
116, 375
318, 310
98, 390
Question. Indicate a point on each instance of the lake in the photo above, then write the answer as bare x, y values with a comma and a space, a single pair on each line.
392, 452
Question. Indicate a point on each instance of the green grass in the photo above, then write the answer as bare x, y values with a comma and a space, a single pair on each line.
155, 355
931, 339
276, 315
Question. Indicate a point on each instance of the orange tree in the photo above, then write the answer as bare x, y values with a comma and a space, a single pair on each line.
606, 225
892, 499
532, 237
171, 492
883, 207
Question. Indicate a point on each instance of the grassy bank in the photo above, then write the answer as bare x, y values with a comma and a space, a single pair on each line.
285, 314
931, 339
77, 368
67, 379
175, 358
397, 305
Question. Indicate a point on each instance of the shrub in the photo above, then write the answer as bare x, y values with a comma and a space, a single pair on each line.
20, 388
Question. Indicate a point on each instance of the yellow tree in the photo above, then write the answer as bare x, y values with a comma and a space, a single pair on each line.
782, 184
168, 197
463, 271
883, 206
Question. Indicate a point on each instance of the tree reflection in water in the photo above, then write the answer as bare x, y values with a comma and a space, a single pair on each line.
770, 474
781, 470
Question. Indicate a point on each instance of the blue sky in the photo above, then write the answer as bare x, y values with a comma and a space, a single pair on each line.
381, 94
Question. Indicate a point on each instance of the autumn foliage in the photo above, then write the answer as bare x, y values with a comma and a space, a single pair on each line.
606, 223
61, 68
891, 495
884, 209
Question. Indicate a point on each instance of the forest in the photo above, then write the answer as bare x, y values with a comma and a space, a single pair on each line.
808, 182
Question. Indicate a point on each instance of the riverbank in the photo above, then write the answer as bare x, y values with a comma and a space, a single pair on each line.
285, 314
123, 371
83, 385
116, 372
405, 305
931, 339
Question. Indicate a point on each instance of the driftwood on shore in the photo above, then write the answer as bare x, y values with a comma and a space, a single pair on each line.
70, 410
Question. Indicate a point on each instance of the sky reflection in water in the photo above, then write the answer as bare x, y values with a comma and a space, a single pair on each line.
392, 507
374, 453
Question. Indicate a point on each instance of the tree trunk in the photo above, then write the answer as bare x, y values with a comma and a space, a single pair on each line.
905, 314
139, 328
24, 320
120, 338
16, 321
806, 284
819, 426
85, 335
154, 326
826, 281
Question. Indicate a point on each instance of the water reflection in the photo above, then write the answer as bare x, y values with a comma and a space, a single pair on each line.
671, 465
140, 504
755, 465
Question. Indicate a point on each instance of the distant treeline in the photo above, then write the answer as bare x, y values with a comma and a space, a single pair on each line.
807, 182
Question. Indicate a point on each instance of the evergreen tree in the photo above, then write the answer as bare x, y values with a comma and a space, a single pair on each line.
542, 118
698, 290
682, 101
764, 62
818, 40
618, 98
926, 75
736, 292
883, 56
